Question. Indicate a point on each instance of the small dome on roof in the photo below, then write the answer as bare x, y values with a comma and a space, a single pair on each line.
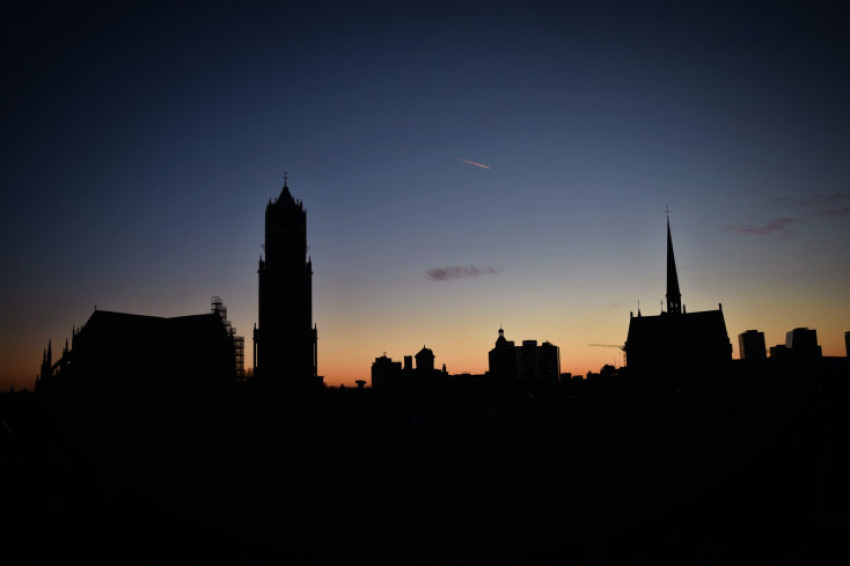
425, 351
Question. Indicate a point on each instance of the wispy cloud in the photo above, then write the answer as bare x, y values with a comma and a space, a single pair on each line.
474, 163
796, 209
835, 204
457, 272
777, 226
841, 211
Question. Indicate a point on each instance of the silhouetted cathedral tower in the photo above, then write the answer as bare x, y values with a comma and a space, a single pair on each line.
285, 338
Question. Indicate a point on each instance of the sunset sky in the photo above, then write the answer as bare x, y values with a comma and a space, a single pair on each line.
464, 165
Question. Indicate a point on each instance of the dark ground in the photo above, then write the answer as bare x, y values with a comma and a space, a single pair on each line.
605, 475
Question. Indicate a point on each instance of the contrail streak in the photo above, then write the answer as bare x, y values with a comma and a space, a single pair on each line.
474, 163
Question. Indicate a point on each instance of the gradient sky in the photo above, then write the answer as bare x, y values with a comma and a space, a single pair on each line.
142, 141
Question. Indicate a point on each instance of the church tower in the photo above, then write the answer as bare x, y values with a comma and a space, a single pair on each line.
285, 337
677, 341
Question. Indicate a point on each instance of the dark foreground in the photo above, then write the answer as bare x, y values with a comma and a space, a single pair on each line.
607, 475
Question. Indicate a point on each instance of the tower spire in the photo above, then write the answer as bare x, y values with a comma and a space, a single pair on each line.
674, 296
284, 191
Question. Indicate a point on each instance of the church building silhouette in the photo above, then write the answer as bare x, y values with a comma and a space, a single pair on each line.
676, 341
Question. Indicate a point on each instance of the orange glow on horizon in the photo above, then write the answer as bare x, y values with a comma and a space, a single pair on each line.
346, 371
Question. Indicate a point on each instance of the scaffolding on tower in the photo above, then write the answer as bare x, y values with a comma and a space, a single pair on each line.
219, 309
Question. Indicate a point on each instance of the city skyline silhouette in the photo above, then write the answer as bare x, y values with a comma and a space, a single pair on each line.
146, 432
142, 142
286, 343
456, 330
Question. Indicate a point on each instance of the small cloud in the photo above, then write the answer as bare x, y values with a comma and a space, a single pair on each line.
777, 226
457, 272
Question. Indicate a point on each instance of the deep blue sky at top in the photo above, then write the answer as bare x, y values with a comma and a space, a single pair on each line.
141, 140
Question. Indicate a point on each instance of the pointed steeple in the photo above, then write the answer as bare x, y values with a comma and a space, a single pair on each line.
284, 192
674, 296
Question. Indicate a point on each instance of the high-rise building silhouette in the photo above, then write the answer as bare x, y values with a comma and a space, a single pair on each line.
676, 340
548, 363
285, 353
751, 345
802, 343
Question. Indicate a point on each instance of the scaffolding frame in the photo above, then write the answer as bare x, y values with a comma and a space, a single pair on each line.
218, 308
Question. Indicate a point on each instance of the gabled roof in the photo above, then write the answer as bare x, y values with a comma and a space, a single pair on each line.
123, 323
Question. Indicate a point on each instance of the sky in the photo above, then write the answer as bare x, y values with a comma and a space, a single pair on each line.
465, 166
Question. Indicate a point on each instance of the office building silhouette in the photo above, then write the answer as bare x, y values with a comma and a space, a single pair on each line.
802, 344
751, 346
780, 352
285, 338
384, 372
528, 362
676, 340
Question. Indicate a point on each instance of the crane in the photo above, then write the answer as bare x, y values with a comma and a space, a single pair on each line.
618, 346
